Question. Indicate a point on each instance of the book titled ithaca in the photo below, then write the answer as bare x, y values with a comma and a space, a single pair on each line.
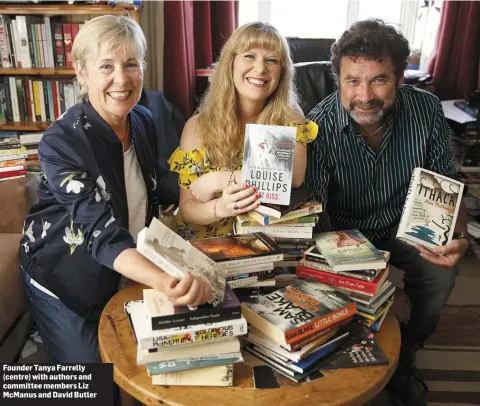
268, 161
431, 209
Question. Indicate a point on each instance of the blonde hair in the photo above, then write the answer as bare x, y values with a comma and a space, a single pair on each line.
218, 122
106, 33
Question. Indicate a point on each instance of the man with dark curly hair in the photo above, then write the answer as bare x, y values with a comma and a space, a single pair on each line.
373, 132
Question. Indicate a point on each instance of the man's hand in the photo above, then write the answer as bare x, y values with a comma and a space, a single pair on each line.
446, 256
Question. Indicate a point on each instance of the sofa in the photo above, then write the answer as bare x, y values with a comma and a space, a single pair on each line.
14, 317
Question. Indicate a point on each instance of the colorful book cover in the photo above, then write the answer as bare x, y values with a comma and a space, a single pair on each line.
349, 250
431, 209
156, 368
298, 310
268, 161
360, 350
165, 315
237, 247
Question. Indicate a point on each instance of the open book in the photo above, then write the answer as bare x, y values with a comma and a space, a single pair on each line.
176, 256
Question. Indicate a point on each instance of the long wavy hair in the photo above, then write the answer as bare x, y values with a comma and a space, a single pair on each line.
218, 121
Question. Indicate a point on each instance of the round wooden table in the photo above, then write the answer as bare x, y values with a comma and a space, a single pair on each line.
351, 386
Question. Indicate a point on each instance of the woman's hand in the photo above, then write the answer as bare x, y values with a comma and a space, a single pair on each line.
190, 291
237, 199
204, 188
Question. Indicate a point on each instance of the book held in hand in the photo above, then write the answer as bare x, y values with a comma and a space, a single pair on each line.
268, 161
431, 209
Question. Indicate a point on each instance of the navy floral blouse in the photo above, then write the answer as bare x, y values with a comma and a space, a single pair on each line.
73, 235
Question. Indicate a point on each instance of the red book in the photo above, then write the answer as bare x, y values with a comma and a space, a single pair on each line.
75, 29
68, 41
56, 112
10, 174
352, 284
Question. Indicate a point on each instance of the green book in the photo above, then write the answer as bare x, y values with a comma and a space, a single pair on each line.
349, 250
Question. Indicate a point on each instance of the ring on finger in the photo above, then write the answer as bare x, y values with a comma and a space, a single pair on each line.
236, 207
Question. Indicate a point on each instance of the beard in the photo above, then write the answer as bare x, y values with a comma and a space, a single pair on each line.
367, 118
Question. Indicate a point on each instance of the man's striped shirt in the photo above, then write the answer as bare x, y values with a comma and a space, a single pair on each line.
362, 189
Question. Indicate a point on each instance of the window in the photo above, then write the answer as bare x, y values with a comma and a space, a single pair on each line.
418, 20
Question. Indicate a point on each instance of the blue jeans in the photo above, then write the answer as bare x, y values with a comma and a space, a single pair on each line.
67, 337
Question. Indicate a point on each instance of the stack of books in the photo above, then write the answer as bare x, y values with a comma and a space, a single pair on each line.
348, 262
172, 342
294, 328
12, 157
30, 141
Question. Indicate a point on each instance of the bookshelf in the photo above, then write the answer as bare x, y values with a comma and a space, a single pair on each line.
70, 13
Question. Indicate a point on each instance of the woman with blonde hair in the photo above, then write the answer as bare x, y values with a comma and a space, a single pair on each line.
253, 83
101, 183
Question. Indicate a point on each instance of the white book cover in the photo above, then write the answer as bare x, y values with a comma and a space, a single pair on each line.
14, 98
268, 161
23, 53
147, 338
211, 376
431, 209
176, 256
211, 350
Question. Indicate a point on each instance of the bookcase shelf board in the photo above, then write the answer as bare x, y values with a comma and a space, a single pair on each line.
25, 126
38, 71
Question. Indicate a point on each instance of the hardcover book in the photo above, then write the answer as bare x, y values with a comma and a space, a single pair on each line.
349, 250
165, 315
298, 310
431, 209
268, 161
307, 208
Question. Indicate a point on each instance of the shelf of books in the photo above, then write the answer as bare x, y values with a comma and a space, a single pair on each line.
71, 9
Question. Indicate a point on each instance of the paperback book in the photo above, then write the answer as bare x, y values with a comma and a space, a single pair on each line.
431, 209
268, 161
165, 315
349, 250
360, 350
299, 310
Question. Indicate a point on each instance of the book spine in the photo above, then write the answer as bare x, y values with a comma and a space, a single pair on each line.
320, 323
239, 283
183, 365
23, 41
275, 232
67, 40
296, 345
212, 376
318, 266
337, 280
14, 98
49, 44
4, 48
256, 268
249, 261
197, 334
59, 45
407, 207
200, 316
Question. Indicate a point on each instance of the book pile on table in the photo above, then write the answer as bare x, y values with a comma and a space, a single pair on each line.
294, 328
174, 342
12, 157
347, 261
31, 141
290, 226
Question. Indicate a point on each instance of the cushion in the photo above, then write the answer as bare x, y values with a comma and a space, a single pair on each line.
12, 296
13, 205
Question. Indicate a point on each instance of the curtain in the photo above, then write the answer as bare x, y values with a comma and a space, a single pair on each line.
151, 21
195, 32
455, 61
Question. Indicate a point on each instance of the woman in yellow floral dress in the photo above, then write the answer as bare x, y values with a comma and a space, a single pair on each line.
253, 83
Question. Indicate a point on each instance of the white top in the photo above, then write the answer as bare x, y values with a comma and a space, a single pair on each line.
136, 200
136, 193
